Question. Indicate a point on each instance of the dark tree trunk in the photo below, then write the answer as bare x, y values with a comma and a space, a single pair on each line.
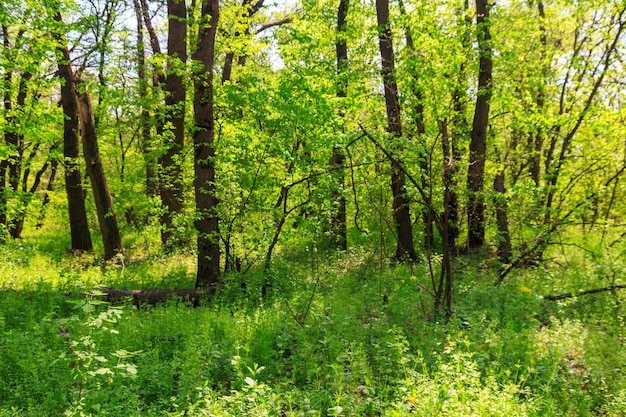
111, 238
401, 212
54, 165
79, 228
249, 11
154, 297
478, 144
4, 163
3, 199
207, 225
171, 176
536, 144
458, 132
502, 219
16, 225
338, 228
142, 82
417, 96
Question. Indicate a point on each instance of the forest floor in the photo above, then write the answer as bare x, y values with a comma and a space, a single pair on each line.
339, 334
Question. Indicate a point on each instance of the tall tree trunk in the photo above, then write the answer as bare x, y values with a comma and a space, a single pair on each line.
420, 127
3, 199
142, 82
79, 227
171, 176
15, 226
478, 144
4, 163
459, 131
338, 227
502, 218
207, 224
401, 212
536, 144
111, 238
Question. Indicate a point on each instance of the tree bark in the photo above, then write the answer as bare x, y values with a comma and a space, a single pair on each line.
338, 227
537, 139
401, 212
502, 219
111, 238
478, 144
207, 224
171, 176
16, 225
154, 297
144, 117
79, 227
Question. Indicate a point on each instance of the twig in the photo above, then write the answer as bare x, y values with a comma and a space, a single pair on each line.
587, 292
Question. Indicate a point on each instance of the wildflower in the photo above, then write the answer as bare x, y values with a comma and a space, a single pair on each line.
525, 289
413, 278
412, 399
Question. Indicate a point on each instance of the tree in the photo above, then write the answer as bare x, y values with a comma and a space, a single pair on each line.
338, 226
142, 92
207, 222
170, 175
111, 238
401, 211
478, 144
79, 227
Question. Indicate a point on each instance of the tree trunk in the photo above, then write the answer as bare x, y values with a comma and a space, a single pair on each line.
144, 117
54, 165
478, 144
79, 228
207, 225
338, 227
459, 131
16, 224
502, 219
401, 212
171, 176
111, 238
536, 144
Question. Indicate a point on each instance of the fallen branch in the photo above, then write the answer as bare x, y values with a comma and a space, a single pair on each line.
153, 297
587, 292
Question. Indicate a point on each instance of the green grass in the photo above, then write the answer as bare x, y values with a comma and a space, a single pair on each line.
364, 342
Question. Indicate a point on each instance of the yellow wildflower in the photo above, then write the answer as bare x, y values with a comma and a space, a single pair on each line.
525, 289
413, 278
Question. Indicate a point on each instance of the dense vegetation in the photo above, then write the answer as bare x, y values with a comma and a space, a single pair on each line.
386, 208
342, 335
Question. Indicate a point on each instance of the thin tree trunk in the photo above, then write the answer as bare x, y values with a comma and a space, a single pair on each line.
171, 176
207, 224
111, 238
3, 199
79, 227
478, 144
459, 131
401, 212
338, 227
144, 117
54, 165
538, 137
502, 218
420, 127
17, 223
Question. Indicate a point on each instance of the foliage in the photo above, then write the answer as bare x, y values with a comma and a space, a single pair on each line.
505, 351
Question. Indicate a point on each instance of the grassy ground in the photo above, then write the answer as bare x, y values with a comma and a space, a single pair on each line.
338, 335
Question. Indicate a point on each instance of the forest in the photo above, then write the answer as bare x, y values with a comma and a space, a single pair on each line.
313, 208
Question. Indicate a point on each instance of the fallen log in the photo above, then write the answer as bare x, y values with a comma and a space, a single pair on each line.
587, 292
153, 297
